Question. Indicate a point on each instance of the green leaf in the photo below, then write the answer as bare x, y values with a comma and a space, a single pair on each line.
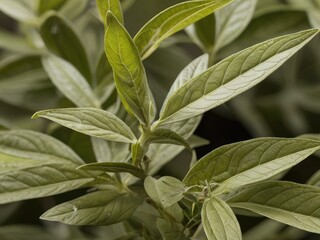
45, 5
231, 77
294, 204
97, 208
115, 167
110, 5
18, 10
172, 20
73, 8
36, 182
242, 163
232, 20
69, 81
91, 121
61, 38
219, 222
165, 191
129, 73
170, 230
162, 135
25, 144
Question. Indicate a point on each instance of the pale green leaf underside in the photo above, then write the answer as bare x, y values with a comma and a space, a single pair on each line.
172, 20
35, 182
69, 81
25, 144
129, 73
110, 5
165, 191
290, 203
91, 121
232, 20
241, 163
98, 208
232, 76
219, 222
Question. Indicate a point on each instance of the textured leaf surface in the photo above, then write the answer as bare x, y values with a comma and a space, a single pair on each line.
35, 182
97, 208
170, 230
165, 191
69, 81
231, 77
290, 203
61, 38
172, 20
232, 20
115, 167
219, 222
110, 5
90, 121
129, 73
36, 146
241, 163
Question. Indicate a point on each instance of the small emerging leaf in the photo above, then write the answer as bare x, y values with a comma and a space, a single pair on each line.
97, 208
90, 121
219, 222
165, 191
115, 167
290, 203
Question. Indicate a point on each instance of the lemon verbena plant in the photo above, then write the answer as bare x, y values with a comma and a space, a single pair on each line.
132, 139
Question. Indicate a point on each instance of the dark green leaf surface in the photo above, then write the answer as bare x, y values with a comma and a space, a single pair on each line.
241, 163
129, 73
36, 182
219, 222
172, 20
97, 208
115, 167
91, 121
60, 38
290, 203
231, 77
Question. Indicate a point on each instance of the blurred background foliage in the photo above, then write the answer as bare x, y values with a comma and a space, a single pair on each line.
287, 104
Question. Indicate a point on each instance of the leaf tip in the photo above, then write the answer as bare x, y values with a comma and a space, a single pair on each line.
36, 115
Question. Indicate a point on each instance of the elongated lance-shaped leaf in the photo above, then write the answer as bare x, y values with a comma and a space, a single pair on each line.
35, 181
219, 222
18, 10
44, 5
241, 163
59, 35
162, 135
294, 204
172, 20
97, 208
36, 146
69, 81
115, 167
231, 77
232, 20
91, 121
129, 73
110, 5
